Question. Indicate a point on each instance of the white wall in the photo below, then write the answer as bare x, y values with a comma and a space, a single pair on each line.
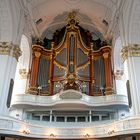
11, 28
7, 72
22, 66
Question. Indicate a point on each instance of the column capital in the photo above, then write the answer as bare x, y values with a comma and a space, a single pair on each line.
37, 54
7, 48
106, 55
132, 50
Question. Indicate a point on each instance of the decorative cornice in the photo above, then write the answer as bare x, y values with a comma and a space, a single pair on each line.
132, 50
7, 48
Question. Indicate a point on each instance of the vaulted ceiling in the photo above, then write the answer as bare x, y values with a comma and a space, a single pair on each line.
94, 15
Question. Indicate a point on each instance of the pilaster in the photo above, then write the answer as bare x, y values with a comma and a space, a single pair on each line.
34, 69
131, 56
91, 70
108, 77
51, 69
9, 54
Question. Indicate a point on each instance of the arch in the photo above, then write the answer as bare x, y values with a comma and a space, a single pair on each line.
134, 26
22, 67
6, 22
118, 63
120, 80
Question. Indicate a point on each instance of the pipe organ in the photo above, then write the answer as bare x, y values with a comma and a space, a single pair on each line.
71, 63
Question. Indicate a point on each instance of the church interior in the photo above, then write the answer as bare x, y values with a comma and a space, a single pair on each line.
69, 69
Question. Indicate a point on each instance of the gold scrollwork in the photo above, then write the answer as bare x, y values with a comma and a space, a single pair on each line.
132, 50
60, 66
7, 48
83, 66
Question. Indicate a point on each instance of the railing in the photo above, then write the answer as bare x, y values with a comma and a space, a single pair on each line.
20, 128
70, 96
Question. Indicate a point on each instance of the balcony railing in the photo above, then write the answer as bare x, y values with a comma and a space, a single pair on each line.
69, 97
21, 128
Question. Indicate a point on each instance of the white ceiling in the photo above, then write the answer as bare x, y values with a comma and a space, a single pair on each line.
90, 13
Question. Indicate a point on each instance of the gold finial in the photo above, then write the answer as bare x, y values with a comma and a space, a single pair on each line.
72, 15
71, 20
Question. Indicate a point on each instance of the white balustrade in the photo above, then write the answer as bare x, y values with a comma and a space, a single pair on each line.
19, 127
35, 100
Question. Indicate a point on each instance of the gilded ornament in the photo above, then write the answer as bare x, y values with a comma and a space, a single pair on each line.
37, 54
7, 48
23, 73
132, 50
105, 55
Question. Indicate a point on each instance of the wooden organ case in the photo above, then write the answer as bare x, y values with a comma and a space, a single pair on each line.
71, 64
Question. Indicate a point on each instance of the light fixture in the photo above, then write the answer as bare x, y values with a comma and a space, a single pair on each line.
26, 131
86, 135
52, 135
111, 132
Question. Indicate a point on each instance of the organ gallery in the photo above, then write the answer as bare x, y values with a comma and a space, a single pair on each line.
71, 60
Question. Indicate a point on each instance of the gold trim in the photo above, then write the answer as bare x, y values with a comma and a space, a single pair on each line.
37, 54
7, 48
105, 55
83, 66
132, 50
72, 20
59, 65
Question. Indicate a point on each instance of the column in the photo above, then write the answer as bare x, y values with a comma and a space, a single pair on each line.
9, 54
90, 116
51, 115
108, 79
34, 70
51, 69
131, 57
91, 71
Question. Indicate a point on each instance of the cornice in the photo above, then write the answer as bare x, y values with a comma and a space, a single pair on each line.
7, 48
132, 50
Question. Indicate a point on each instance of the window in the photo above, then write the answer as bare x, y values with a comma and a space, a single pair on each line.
81, 119
70, 119
105, 117
60, 119
95, 118
45, 118
10, 92
35, 117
